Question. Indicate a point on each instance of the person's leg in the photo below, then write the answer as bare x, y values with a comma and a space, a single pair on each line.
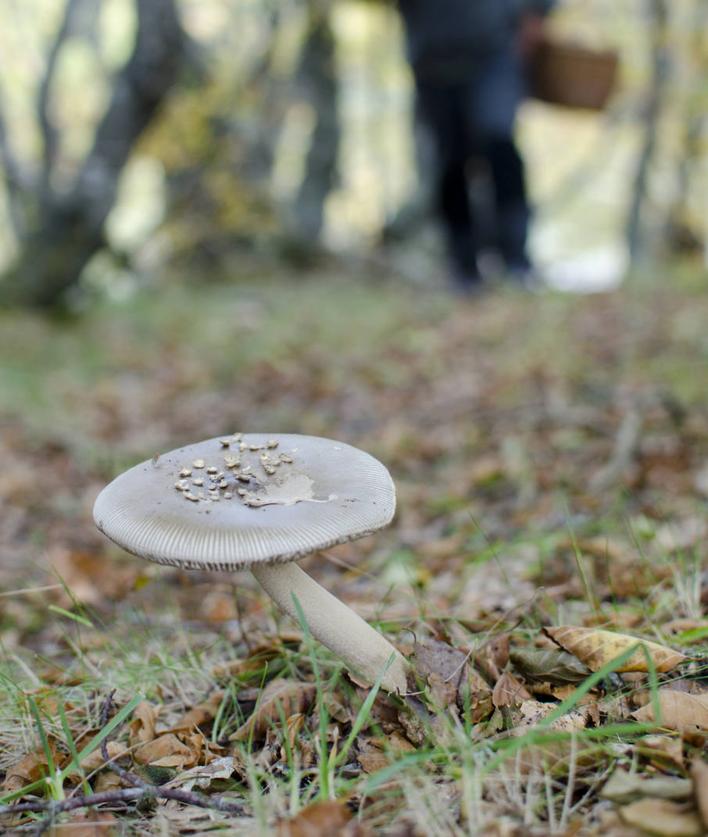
498, 92
441, 108
512, 208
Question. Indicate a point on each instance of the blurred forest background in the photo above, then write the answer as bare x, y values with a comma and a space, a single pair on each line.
215, 217
141, 139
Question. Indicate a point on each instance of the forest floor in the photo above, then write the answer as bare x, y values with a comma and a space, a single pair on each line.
551, 461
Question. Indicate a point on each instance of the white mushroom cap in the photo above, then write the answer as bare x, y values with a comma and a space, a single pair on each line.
329, 494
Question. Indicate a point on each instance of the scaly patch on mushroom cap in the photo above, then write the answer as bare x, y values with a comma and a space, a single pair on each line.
323, 493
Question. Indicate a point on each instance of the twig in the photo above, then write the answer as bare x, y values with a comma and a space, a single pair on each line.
200, 800
140, 790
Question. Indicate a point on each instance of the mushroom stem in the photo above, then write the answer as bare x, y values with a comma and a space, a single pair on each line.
335, 625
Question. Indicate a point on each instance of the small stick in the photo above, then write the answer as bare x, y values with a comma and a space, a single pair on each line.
140, 790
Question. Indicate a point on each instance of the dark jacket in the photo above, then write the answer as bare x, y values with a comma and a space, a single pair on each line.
447, 39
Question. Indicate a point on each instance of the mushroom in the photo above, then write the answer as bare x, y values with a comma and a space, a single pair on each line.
320, 493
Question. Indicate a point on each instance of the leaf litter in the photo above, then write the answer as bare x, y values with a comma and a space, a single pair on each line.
503, 615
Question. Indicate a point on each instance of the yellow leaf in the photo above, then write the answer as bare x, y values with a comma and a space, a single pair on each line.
596, 648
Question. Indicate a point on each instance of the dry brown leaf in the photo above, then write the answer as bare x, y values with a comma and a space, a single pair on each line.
90, 579
509, 691
699, 778
95, 760
107, 780
142, 724
279, 698
476, 695
442, 692
662, 817
321, 819
29, 769
166, 751
497, 653
371, 759
596, 648
200, 714
551, 664
430, 656
202, 776
376, 753
679, 710
533, 712
662, 749
218, 607
623, 786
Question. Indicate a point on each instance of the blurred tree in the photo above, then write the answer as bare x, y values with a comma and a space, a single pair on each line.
685, 224
658, 16
317, 80
221, 145
60, 230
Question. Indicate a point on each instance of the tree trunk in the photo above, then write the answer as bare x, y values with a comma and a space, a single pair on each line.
317, 78
68, 229
660, 63
684, 227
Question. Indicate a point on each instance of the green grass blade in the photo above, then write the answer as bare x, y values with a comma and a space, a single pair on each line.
75, 617
363, 714
71, 745
115, 721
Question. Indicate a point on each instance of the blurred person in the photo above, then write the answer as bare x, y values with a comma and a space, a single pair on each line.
469, 61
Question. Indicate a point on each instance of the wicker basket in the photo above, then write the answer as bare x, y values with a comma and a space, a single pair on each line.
573, 76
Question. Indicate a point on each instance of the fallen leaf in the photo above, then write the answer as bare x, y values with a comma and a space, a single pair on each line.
321, 819
699, 777
95, 760
509, 691
679, 710
29, 769
430, 656
551, 664
165, 751
662, 749
376, 753
442, 692
142, 725
91, 579
218, 607
279, 698
662, 817
533, 712
623, 786
107, 781
596, 648
200, 714
475, 697
202, 776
